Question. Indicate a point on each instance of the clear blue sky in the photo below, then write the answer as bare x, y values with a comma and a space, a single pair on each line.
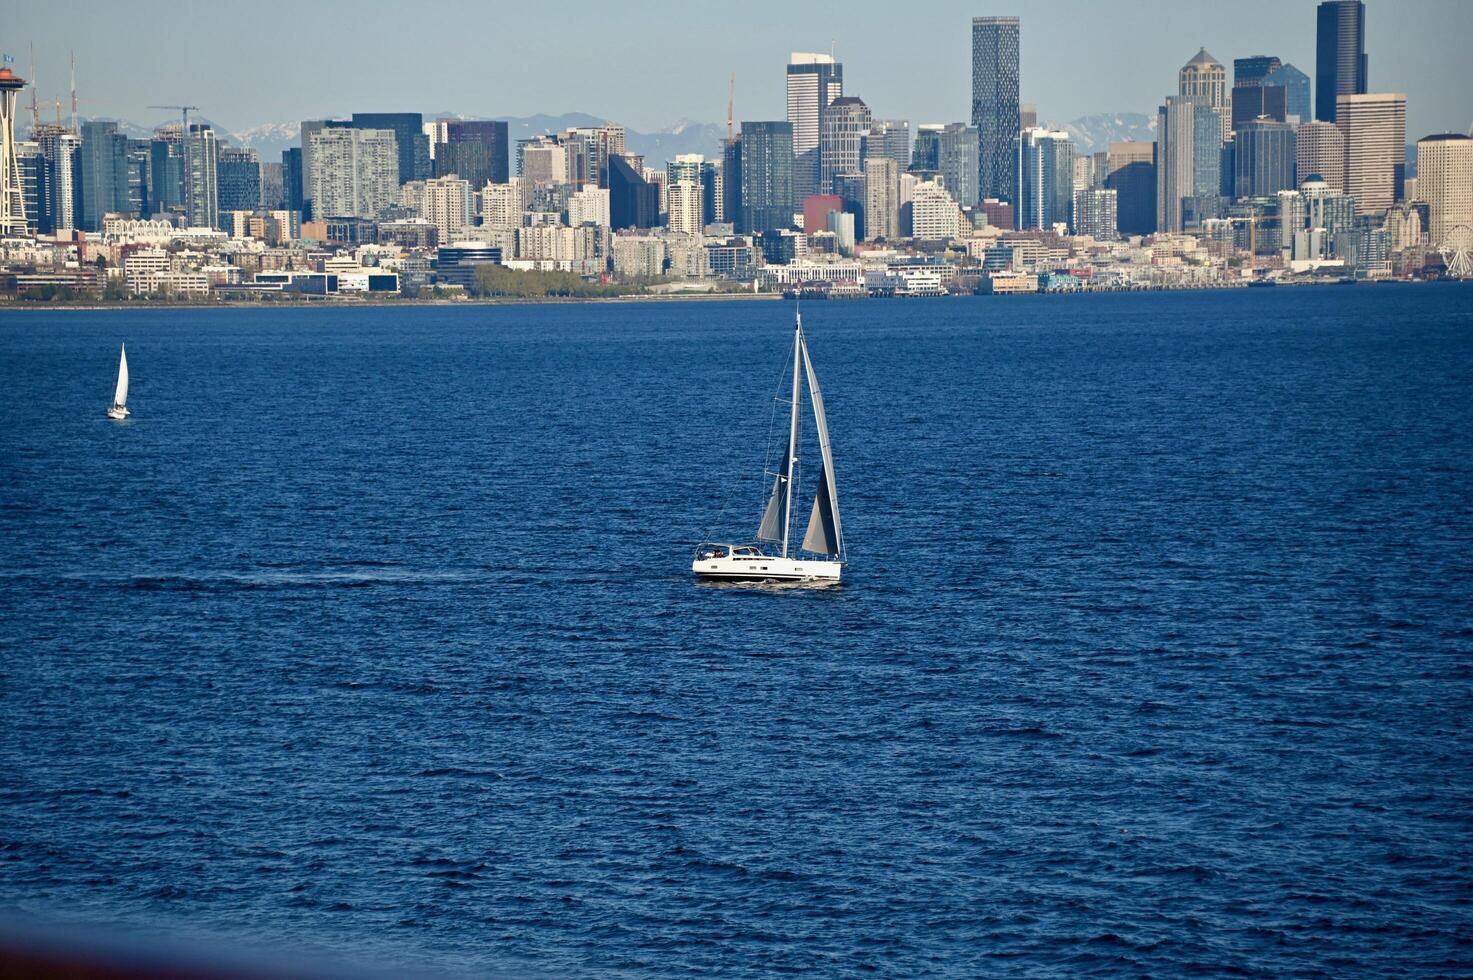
650, 64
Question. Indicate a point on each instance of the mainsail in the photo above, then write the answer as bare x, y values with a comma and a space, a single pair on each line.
121, 396
824, 535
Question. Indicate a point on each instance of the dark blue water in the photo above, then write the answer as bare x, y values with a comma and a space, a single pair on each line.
373, 633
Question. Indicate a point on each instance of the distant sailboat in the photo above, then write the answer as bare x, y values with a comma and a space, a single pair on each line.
119, 409
824, 538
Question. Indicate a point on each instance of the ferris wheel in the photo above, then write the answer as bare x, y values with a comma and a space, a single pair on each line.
1457, 252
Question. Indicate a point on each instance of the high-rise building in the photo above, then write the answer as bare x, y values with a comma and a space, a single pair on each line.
926, 157
1096, 213
934, 212
1205, 79
272, 186
1264, 159
814, 82
589, 206
309, 128
1296, 87
1252, 102
633, 202
291, 179
166, 170
238, 173
354, 172
1319, 148
956, 162
889, 138
767, 176
851, 191
996, 113
445, 202
202, 182
1207, 158
731, 182
409, 139
104, 186
1374, 126
1027, 117
1253, 70
32, 168
685, 166
1045, 190
881, 198
1340, 55
139, 154
686, 207
1130, 171
846, 123
1175, 173
474, 150
1445, 182
502, 205
713, 192
62, 150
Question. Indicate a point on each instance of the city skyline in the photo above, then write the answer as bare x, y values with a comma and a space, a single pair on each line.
1065, 71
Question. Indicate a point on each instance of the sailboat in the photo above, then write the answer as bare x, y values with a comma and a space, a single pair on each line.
772, 557
119, 409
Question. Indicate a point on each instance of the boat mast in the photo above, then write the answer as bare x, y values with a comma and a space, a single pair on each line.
792, 436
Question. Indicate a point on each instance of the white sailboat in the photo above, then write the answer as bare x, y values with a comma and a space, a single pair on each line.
119, 408
820, 558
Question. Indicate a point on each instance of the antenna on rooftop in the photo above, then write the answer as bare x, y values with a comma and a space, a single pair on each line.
74, 91
730, 99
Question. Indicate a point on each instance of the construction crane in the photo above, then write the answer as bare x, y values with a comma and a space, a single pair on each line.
184, 111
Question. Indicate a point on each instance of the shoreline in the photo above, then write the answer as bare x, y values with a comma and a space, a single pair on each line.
357, 303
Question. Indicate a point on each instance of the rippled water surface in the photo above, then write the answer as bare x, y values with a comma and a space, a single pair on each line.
373, 632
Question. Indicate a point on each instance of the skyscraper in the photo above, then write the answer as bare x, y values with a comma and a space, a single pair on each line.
166, 169
889, 138
308, 129
1175, 128
1375, 127
1264, 158
881, 198
62, 151
291, 178
202, 182
12, 195
238, 174
104, 185
354, 172
767, 176
1253, 70
996, 113
846, 124
731, 181
956, 162
409, 137
814, 82
1096, 213
1205, 79
1340, 55
633, 201
1319, 148
1045, 190
1130, 170
139, 163
1445, 182
474, 150
1296, 87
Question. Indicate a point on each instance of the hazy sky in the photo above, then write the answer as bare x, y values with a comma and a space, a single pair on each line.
648, 65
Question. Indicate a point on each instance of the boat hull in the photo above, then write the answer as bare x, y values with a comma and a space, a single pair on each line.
764, 568
117, 413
